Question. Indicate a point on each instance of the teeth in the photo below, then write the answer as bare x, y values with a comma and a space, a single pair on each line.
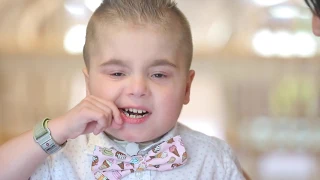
135, 110
134, 116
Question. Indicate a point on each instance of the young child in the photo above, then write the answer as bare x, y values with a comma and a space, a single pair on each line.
138, 56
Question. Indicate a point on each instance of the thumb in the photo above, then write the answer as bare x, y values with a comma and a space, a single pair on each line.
115, 125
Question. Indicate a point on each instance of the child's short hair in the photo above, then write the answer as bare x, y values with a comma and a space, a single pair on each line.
314, 5
159, 12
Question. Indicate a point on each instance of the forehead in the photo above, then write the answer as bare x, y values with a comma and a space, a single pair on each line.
138, 42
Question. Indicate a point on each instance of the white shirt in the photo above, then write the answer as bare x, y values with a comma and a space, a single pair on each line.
208, 158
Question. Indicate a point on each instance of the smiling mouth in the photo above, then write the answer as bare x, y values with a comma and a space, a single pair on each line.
134, 113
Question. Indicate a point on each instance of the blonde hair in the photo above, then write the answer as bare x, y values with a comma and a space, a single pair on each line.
158, 12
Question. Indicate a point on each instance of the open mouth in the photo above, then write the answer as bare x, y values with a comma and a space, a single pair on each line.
134, 113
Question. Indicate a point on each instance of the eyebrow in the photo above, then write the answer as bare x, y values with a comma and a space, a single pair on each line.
163, 62
114, 62
157, 62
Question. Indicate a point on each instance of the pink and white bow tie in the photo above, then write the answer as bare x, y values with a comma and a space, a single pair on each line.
108, 163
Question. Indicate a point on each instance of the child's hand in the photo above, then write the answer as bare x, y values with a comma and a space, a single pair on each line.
90, 115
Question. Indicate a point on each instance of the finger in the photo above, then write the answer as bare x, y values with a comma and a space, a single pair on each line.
90, 127
99, 107
97, 130
93, 113
108, 105
105, 109
111, 105
116, 126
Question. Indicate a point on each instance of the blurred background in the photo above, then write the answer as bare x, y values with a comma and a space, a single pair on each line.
256, 86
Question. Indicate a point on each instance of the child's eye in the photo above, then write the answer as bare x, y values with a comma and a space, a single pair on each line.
159, 75
118, 74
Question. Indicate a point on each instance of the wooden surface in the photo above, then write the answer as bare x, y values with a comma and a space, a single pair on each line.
32, 89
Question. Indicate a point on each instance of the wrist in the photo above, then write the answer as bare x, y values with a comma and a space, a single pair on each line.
43, 136
57, 131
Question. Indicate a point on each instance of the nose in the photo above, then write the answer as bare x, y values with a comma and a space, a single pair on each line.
138, 87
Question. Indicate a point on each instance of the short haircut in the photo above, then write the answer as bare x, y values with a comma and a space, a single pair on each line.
156, 12
314, 5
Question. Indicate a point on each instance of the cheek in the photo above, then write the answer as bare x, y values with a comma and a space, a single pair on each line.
106, 90
172, 99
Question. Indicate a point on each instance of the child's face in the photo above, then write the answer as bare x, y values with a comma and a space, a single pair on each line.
142, 68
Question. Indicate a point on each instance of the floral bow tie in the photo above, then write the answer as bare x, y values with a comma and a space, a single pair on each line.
112, 164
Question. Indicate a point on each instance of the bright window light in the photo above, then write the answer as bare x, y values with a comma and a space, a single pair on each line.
306, 45
284, 44
92, 4
219, 34
74, 39
74, 9
284, 12
268, 2
263, 43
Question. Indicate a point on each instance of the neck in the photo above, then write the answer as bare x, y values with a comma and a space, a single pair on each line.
146, 143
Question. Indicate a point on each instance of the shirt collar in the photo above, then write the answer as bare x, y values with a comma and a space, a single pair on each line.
104, 141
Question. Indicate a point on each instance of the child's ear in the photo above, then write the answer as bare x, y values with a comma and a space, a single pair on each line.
316, 25
188, 88
86, 78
